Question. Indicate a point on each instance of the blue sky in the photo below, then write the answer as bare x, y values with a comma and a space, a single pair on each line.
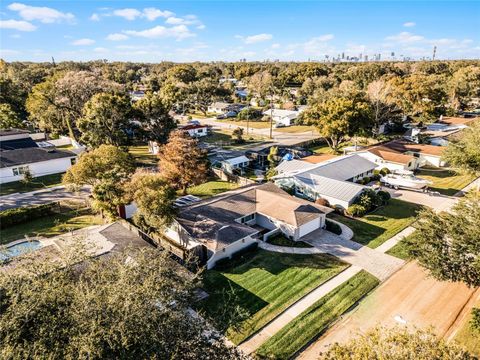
153, 31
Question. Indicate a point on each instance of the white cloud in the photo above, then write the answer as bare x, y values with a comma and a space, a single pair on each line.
84, 41
201, 27
178, 32
186, 20
15, 36
117, 37
94, 17
253, 39
7, 52
19, 25
319, 45
323, 38
129, 14
43, 14
275, 46
174, 20
409, 24
153, 13
100, 50
405, 37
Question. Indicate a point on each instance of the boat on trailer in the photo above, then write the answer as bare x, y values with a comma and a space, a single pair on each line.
405, 179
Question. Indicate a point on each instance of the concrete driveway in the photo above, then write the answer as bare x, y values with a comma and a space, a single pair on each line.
42, 197
375, 262
409, 295
435, 201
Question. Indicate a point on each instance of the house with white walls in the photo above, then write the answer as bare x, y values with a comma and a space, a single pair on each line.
234, 220
19, 154
388, 158
333, 180
281, 117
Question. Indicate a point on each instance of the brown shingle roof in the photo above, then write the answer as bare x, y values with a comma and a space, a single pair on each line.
404, 146
390, 155
456, 120
316, 159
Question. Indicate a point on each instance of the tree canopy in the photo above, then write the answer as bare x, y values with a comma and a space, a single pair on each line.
396, 344
463, 153
130, 305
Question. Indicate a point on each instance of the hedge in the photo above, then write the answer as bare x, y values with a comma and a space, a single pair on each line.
22, 215
333, 227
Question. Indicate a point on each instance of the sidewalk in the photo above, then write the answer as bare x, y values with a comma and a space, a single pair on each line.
255, 341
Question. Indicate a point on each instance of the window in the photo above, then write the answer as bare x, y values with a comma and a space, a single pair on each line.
20, 170
247, 218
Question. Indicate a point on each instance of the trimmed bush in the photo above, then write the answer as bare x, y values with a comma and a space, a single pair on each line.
385, 171
357, 210
322, 202
333, 227
366, 180
22, 215
384, 195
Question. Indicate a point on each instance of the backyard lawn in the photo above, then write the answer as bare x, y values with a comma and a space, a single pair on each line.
380, 225
313, 321
211, 188
37, 183
261, 288
444, 181
142, 156
51, 225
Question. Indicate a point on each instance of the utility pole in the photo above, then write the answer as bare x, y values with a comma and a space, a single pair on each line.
271, 113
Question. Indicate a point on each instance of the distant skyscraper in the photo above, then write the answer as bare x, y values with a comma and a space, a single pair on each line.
366, 58
343, 55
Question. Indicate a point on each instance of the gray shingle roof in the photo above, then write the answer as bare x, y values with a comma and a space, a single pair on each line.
31, 155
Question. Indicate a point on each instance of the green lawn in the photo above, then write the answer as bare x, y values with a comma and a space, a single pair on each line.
281, 240
446, 182
38, 183
321, 149
142, 156
400, 250
313, 321
261, 288
251, 124
376, 227
51, 225
467, 338
211, 188
295, 129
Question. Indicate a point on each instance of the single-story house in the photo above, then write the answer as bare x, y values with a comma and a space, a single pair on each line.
38, 161
333, 180
195, 130
388, 158
229, 161
282, 117
229, 222
136, 95
218, 107
426, 154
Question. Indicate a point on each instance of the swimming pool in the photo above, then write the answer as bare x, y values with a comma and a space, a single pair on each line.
19, 249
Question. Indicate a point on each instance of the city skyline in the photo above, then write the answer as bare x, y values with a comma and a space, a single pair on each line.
229, 31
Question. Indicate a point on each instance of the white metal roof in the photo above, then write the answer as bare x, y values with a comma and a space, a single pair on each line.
293, 165
237, 160
323, 186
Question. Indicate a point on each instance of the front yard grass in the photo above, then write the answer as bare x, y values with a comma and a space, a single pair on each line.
261, 288
281, 240
400, 250
468, 338
37, 183
446, 182
380, 225
143, 158
211, 188
313, 321
51, 225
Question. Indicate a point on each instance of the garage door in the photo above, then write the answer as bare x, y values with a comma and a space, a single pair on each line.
309, 227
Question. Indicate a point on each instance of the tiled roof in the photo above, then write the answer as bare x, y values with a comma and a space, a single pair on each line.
316, 159
456, 120
31, 155
389, 155
405, 146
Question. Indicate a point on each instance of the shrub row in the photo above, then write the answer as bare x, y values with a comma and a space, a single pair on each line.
368, 201
333, 227
22, 215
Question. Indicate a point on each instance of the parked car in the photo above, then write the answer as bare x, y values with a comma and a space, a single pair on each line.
229, 114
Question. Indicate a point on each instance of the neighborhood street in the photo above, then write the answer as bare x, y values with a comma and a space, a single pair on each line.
42, 197
410, 296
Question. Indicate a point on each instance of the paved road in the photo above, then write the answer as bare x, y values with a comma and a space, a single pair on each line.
41, 197
410, 294
279, 138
